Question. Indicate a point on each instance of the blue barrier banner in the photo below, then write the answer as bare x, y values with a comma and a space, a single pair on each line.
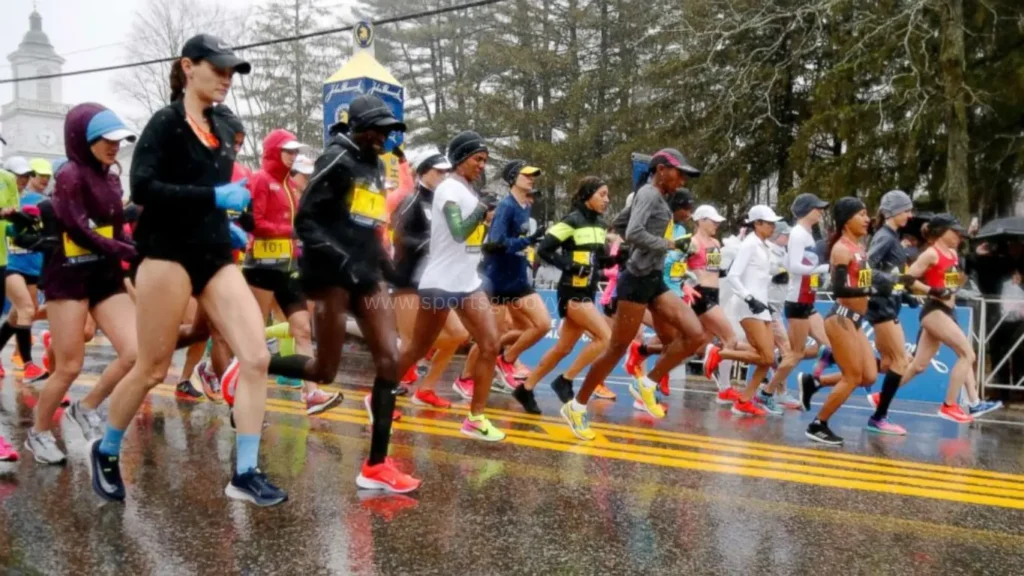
929, 386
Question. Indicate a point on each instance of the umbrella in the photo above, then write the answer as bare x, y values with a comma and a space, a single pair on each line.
1013, 226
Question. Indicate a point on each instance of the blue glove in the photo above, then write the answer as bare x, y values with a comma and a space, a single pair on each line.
239, 238
233, 196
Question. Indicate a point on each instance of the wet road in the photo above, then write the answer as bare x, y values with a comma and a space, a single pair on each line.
702, 492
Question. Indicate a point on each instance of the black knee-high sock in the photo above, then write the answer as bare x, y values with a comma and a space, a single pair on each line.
382, 403
6, 331
890, 384
23, 336
293, 366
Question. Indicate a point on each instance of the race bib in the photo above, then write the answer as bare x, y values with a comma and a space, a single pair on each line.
476, 239
74, 251
952, 279
677, 271
277, 249
714, 261
815, 281
581, 257
14, 249
669, 230
368, 206
864, 278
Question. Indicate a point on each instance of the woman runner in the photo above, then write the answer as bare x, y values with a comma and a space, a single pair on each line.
180, 177
576, 246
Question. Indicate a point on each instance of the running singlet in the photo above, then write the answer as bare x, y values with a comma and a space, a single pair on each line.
452, 265
704, 257
802, 264
943, 274
858, 271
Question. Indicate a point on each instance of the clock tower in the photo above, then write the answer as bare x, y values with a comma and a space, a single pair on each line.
33, 123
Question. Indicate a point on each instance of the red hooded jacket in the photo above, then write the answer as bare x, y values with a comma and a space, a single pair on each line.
273, 202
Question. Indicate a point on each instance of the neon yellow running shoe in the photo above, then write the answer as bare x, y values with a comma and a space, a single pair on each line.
645, 395
480, 427
578, 422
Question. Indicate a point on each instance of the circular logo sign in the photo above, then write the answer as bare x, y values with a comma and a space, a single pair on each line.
364, 34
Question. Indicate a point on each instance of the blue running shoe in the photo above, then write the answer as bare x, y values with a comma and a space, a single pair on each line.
289, 382
253, 487
984, 407
106, 474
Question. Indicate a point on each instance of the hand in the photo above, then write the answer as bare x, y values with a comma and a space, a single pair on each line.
683, 244
239, 238
882, 285
755, 305
489, 201
690, 295
581, 270
940, 293
22, 219
233, 196
538, 235
906, 279
910, 300
492, 248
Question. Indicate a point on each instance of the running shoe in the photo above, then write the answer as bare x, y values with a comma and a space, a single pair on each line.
228, 382
522, 372
89, 422
19, 364
712, 358
429, 398
634, 363
563, 388
955, 413
33, 373
481, 428
463, 387
874, 399
727, 397
884, 426
204, 377
254, 487
748, 408
639, 406
396, 414
185, 389
286, 382
526, 399
604, 393
820, 432
787, 400
825, 360
46, 350
578, 422
385, 476
319, 401
506, 373
411, 375
43, 447
646, 397
768, 403
808, 386
984, 407
7, 452
106, 474
663, 386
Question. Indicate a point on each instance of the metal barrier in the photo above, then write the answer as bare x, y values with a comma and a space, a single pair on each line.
990, 362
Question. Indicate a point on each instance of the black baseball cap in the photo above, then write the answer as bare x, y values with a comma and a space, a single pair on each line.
681, 200
804, 203
215, 51
369, 111
514, 168
946, 221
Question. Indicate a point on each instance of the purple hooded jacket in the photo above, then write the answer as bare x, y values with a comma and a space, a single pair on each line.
86, 198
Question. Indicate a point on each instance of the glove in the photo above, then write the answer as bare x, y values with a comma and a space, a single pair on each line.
233, 196
239, 238
909, 300
755, 305
538, 235
23, 220
882, 285
490, 201
492, 248
940, 293
581, 270
683, 244
246, 221
781, 278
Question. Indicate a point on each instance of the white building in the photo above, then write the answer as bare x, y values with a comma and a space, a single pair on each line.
33, 123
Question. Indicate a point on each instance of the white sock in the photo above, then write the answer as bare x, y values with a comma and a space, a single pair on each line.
576, 406
725, 375
648, 383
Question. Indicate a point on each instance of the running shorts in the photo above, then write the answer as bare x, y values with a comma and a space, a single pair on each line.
30, 279
200, 263
708, 299
799, 310
884, 309
641, 289
843, 311
320, 270
566, 296
284, 285
931, 304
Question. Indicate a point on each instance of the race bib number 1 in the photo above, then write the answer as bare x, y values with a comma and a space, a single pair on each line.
476, 239
368, 206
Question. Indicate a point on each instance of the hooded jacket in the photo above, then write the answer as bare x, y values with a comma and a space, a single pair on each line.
87, 205
273, 202
411, 222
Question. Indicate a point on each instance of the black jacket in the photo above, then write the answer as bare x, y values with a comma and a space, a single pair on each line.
579, 239
886, 257
173, 176
411, 223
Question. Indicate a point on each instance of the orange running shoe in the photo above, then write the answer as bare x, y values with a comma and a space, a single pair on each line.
604, 393
634, 364
748, 408
385, 476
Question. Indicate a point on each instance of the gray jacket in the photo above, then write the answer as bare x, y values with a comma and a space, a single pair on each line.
649, 220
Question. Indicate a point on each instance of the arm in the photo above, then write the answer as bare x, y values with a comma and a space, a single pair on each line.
739, 264
405, 235
795, 257
461, 227
841, 258
259, 188
319, 199
69, 209
548, 249
636, 234
145, 180
500, 232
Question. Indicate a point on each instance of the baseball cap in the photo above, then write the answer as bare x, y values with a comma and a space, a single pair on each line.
430, 160
804, 203
303, 165
782, 229
708, 212
17, 165
674, 158
514, 168
215, 51
762, 213
946, 221
680, 200
369, 111
108, 126
41, 167
292, 145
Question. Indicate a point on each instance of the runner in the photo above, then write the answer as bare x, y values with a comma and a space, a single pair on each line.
412, 226
83, 275
576, 246
938, 268
852, 283
506, 271
180, 173
776, 387
450, 280
269, 261
641, 286
342, 268
8, 204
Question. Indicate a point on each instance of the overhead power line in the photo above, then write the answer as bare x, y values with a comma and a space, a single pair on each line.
318, 33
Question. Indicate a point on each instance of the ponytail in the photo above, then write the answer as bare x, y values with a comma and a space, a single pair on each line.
832, 240
178, 81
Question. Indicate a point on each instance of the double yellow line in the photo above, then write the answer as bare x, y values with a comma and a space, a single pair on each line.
680, 450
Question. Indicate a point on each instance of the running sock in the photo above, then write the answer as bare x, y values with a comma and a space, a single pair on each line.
646, 382
247, 452
576, 406
293, 366
23, 336
382, 404
890, 384
278, 331
6, 331
725, 375
111, 443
